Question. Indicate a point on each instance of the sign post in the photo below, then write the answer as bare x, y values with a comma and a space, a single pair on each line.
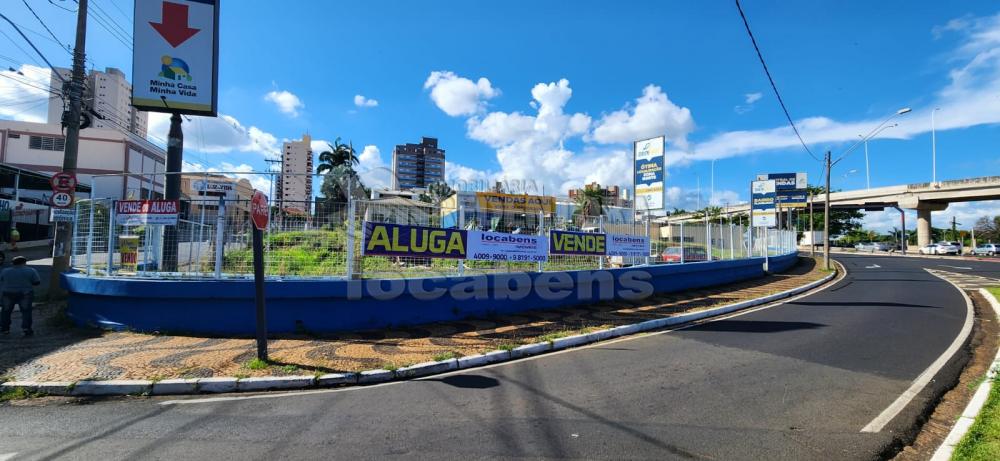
259, 214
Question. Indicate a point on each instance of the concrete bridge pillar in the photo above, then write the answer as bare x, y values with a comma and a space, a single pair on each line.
924, 209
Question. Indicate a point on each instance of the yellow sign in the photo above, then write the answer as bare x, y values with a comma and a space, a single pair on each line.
400, 240
128, 245
495, 201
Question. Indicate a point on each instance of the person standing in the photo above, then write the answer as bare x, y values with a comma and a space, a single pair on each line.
19, 283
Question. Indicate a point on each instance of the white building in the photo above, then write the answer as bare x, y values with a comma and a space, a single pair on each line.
109, 94
295, 183
137, 163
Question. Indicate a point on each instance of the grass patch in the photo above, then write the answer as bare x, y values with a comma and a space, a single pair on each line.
445, 356
555, 335
982, 442
507, 346
289, 369
256, 364
390, 366
18, 393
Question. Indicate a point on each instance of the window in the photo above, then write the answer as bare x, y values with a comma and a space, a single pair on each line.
46, 143
14, 136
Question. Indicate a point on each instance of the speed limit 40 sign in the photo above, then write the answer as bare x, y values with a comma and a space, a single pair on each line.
61, 199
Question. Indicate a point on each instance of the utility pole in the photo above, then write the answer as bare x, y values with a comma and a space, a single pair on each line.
826, 216
60, 262
812, 236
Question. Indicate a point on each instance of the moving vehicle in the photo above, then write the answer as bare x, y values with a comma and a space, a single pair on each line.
691, 254
940, 248
986, 249
872, 246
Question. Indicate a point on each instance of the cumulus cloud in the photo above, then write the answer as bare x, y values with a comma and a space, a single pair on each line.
287, 102
753, 97
749, 99
215, 135
372, 170
362, 101
24, 95
652, 114
458, 96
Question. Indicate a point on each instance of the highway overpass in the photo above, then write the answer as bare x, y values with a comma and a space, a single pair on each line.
923, 197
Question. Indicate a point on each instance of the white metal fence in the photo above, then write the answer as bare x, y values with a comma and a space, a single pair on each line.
323, 238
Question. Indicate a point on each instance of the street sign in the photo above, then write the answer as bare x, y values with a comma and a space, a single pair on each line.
175, 56
791, 188
63, 182
762, 203
62, 215
61, 199
259, 211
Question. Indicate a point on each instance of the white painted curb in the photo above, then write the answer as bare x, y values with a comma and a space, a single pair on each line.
229, 384
975, 405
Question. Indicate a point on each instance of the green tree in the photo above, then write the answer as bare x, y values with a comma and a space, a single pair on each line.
988, 229
339, 155
436, 193
589, 202
842, 222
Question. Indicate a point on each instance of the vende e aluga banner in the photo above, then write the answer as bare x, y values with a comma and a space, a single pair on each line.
627, 245
577, 243
649, 174
140, 212
496, 246
384, 239
174, 58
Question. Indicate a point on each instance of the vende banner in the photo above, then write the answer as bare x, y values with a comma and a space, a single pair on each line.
496, 246
141, 212
628, 245
383, 239
577, 243
648, 164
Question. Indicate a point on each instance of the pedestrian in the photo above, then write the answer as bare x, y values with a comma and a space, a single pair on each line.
19, 283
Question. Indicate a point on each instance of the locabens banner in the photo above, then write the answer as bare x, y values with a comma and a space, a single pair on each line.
383, 239
577, 243
628, 245
495, 246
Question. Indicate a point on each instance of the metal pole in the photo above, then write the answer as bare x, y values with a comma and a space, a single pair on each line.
732, 242
175, 155
868, 178
682, 242
541, 231
933, 148
767, 253
60, 262
220, 236
111, 238
351, 211
708, 236
201, 226
90, 231
826, 217
461, 225
258, 277
650, 239
812, 235
600, 224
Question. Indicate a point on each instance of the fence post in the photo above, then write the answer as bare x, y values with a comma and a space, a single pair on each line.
220, 236
76, 231
111, 237
90, 233
766, 252
461, 225
732, 241
541, 231
649, 238
682, 242
600, 227
708, 236
349, 264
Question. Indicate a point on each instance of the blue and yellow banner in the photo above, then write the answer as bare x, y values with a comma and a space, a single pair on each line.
577, 243
383, 239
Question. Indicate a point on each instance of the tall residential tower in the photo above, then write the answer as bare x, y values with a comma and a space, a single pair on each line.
109, 94
295, 184
416, 166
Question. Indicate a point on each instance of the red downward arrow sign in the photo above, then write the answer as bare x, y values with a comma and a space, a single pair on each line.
173, 25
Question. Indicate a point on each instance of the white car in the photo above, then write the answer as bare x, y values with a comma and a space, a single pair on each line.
942, 248
987, 249
929, 249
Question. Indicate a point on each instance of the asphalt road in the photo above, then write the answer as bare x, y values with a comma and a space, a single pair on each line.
795, 381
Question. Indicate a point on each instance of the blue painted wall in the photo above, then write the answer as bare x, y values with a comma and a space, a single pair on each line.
227, 306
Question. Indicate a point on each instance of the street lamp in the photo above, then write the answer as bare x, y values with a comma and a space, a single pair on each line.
868, 178
933, 147
829, 165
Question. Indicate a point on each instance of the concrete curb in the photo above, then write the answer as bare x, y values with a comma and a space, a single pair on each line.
255, 384
964, 423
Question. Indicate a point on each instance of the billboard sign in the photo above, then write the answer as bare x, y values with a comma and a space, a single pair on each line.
519, 203
791, 188
648, 164
175, 63
142, 212
496, 246
636, 246
577, 243
384, 239
762, 203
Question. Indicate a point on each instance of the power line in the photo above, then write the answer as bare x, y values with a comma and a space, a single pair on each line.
56, 39
113, 21
32, 58
124, 40
770, 79
31, 84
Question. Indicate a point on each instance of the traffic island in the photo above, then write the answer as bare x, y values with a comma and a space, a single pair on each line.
303, 360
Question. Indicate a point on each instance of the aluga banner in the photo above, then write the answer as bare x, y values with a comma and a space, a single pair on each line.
496, 246
383, 239
142, 212
628, 245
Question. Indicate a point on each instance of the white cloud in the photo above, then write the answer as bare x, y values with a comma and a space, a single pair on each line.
287, 102
749, 100
362, 101
372, 170
23, 96
653, 114
753, 97
458, 95
215, 135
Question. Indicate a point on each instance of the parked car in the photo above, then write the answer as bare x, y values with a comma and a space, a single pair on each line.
929, 249
940, 248
872, 246
691, 254
986, 249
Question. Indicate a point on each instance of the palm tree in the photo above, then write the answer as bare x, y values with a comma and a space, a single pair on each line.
437, 192
590, 202
339, 155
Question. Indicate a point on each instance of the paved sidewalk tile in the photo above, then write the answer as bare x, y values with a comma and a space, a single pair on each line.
123, 355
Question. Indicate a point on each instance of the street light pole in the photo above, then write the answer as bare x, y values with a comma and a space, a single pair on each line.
934, 147
826, 215
868, 178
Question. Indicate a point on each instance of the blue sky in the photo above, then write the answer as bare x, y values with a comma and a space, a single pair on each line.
554, 92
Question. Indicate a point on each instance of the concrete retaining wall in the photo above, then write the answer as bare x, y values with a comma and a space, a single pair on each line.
227, 306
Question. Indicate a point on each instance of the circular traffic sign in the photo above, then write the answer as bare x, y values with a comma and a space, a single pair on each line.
63, 182
61, 199
259, 211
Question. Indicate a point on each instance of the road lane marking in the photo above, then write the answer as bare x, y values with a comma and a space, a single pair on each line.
842, 274
956, 267
873, 266
877, 424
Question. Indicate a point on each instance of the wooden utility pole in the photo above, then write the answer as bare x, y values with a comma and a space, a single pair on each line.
826, 217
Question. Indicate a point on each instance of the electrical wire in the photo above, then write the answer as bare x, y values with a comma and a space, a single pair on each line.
124, 40
770, 79
113, 21
32, 58
68, 48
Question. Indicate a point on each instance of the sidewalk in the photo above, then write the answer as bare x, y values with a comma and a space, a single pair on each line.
60, 353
